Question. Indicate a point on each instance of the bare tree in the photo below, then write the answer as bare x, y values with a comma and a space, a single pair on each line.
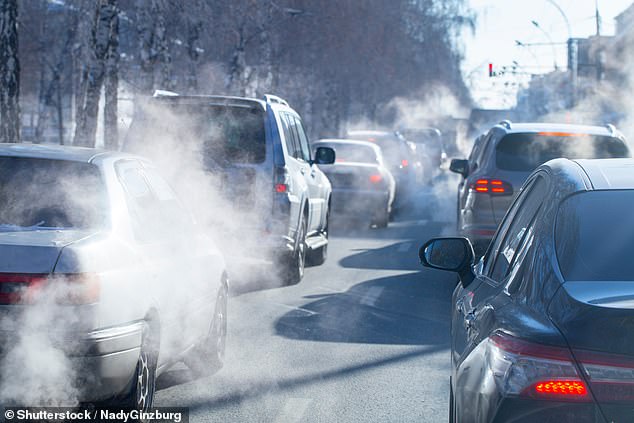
104, 26
111, 87
9, 72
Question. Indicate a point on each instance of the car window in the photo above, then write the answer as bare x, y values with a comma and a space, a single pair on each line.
143, 205
170, 206
525, 152
46, 193
303, 139
527, 208
593, 236
290, 136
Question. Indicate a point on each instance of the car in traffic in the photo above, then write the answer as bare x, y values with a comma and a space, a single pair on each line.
542, 325
430, 148
502, 159
400, 158
277, 199
104, 272
362, 186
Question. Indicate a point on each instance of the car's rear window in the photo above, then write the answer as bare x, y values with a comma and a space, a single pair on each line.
594, 236
525, 152
223, 134
46, 193
354, 153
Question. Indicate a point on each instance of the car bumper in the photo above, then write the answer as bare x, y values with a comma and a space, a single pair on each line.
362, 203
523, 410
100, 363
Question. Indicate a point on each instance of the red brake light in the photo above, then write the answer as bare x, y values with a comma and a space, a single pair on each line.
65, 289
20, 288
561, 387
376, 178
404, 163
492, 186
281, 188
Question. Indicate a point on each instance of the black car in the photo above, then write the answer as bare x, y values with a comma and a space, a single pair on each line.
543, 325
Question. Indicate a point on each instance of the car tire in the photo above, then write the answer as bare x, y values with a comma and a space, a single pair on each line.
143, 384
318, 256
293, 269
208, 357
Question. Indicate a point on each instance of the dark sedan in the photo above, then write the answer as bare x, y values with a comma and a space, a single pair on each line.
362, 186
543, 324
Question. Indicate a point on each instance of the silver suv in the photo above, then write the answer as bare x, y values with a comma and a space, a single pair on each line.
259, 153
502, 159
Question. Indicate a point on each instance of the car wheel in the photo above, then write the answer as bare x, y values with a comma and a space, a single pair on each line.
208, 357
318, 256
141, 393
293, 271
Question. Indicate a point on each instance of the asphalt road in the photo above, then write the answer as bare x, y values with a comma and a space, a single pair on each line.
363, 338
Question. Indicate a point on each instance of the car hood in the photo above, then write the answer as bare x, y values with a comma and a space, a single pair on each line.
35, 251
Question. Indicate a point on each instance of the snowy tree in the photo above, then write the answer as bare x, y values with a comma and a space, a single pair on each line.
9, 72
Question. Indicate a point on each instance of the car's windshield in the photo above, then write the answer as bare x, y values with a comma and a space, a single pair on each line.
354, 153
525, 152
594, 236
44, 193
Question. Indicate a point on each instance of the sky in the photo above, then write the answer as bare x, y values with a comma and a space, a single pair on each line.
501, 22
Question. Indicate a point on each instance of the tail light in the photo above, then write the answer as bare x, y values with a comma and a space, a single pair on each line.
611, 377
65, 289
526, 369
492, 186
281, 180
404, 163
376, 178
20, 288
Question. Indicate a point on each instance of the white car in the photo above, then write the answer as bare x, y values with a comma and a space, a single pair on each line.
105, 274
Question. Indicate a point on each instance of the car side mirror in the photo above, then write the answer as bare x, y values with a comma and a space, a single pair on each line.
460, 166
450, 254
324, 156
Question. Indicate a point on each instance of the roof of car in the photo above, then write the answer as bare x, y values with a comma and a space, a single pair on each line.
609, 173
370, 133
512, 127
212, 100
347, 141
53, 151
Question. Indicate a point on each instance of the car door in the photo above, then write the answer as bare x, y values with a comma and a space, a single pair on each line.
200, 267
306, 173
296, 168
156, 266
474, 305
474, 157
315, 179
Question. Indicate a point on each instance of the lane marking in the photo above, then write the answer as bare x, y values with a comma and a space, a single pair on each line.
422, 222
373, 294
309, 312
293, 410
404, 247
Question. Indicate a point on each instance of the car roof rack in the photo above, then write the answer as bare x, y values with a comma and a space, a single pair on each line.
506, 123
164, 93
611, 128
269, 98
